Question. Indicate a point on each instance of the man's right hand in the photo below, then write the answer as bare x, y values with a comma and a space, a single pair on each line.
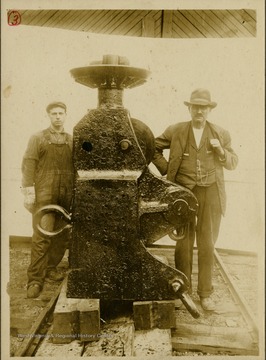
29, 198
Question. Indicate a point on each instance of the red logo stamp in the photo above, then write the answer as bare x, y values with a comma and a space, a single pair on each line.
13, 18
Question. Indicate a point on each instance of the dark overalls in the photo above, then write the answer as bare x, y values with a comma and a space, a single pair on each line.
53, 185
197, 172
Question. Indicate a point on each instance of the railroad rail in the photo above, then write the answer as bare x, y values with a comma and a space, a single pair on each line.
232, 329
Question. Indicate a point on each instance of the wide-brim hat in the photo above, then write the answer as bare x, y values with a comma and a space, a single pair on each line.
201, 97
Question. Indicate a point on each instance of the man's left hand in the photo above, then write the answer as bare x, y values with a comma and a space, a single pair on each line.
217, 147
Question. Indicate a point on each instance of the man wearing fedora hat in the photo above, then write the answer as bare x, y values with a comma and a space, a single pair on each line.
199, 150
47, 178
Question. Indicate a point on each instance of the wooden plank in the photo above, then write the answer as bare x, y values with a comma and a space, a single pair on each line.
147, 25
44, 16
58, 19
85, 17
153, 342
217, 24
231, 16
89, 319
48, 349
91, 20
186, 25
198, 19
245, 21
252, 14
72, 16
119, 19
75, 316
82, 15
250, 19
232, 30
212, 339
135, 17
154, 314
167, 23
197, 345
158, 21
136, 30
115, 339
98, 22
36, 17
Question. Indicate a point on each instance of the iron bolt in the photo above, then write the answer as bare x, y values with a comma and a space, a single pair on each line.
125, 144
176, 286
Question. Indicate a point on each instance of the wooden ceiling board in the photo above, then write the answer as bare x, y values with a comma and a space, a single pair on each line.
183, 23
79, 19
134, 22
252, 14
241, 18
56, 20
214, 23
226, 30
90, 20
233, 30
232, 16
98, 22
178, 33
198, 19
158, 23
52, 19
84, 20
115, 25
113, 21
37, 18
73, 18
117, 20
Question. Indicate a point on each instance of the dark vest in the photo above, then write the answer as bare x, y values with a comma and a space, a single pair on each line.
198, 164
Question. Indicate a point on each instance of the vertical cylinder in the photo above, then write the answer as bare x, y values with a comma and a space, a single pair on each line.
111, 98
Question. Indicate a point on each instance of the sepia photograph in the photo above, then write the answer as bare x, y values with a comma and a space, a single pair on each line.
132, 179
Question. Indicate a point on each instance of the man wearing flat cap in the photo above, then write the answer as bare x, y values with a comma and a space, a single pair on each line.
47, 178
199, 150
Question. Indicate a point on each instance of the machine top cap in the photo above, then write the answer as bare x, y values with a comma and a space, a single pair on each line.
113, 72
112, 60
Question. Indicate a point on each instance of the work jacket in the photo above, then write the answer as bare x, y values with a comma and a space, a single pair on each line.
175, 138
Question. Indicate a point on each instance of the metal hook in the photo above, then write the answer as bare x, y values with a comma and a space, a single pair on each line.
47, 210
178, 233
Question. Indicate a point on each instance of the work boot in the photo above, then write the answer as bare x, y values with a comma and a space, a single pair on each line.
54, 275
207, 304
33, 291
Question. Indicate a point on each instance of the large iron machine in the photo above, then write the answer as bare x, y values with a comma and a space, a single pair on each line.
119, 206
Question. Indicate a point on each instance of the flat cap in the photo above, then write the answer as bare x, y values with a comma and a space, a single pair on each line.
56, 104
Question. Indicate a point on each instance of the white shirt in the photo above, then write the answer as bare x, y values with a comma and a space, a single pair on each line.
197, 135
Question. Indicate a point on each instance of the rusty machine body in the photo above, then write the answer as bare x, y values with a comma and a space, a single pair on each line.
119, 206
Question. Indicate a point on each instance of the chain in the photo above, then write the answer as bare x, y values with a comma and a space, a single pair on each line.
199, 174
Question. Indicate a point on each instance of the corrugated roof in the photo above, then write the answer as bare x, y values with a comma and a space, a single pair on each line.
149, 23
